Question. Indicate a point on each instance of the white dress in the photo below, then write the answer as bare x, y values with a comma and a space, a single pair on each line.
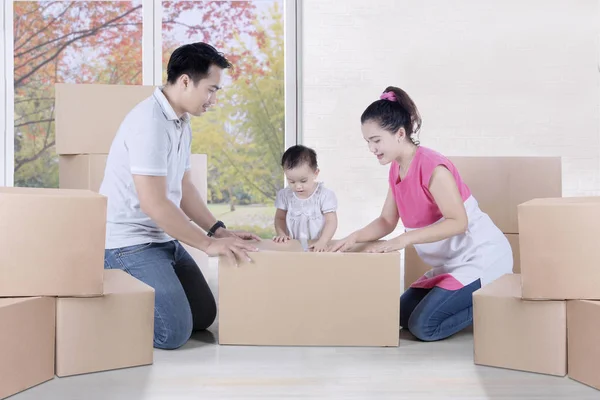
306, 217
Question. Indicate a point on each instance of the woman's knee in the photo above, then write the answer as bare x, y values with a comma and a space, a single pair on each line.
425, 327
419, 329
172, 331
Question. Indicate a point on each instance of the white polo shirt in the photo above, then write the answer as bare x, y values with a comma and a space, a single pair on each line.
151, 140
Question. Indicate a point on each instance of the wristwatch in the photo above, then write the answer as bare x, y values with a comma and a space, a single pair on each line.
213, 229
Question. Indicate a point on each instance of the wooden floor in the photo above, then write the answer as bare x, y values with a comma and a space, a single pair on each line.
415, 370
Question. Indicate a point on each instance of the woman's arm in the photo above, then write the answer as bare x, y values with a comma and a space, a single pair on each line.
380, 227
444, 190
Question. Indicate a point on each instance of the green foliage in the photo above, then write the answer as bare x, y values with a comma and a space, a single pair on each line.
244, 134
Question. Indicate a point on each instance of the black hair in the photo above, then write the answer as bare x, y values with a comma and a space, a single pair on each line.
194, 60
393, 115
298, 155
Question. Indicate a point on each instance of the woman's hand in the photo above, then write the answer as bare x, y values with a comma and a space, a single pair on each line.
319, 247
345, 244
389, 246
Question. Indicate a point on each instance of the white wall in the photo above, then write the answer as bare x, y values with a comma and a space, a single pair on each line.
513, 77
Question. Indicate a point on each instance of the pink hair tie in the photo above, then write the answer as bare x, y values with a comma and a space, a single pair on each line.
388, 96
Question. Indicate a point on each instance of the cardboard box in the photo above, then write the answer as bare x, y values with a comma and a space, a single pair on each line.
26, 343
108, 332
200, 174
290, 297
414, 267
560, 255
501, 183
583, 325
518, 334
89, 115
85, 171
200, 257
51, 242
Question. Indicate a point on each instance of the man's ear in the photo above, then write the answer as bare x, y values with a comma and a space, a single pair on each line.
184, 80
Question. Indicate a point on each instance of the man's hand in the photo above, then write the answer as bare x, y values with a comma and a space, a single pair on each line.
231, 247
226, 233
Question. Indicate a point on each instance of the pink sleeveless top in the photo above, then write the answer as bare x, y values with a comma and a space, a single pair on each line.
483, 252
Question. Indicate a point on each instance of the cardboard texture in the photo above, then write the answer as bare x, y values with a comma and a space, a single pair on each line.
290, 297
583, 325
80, 128
501, 183
51, 242
108, 332
414, 267
85, 171
26, 343
200, 174
200, 257
518, 334
559, 248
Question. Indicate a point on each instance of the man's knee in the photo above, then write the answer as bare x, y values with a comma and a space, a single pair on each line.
205, 318
172, 331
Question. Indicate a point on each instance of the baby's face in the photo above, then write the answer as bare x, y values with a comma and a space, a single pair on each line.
302, 179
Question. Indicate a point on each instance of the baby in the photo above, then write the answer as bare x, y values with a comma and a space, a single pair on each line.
306, 210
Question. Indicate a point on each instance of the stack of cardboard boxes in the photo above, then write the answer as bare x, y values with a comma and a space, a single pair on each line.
60, 312
82, 152
499, 184
545, 320
541, 318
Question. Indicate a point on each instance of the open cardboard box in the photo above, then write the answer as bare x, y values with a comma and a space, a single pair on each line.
289, 297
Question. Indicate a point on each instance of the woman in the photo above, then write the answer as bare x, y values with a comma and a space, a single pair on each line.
442, 220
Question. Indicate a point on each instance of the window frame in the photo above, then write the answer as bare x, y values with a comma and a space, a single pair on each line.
151, 72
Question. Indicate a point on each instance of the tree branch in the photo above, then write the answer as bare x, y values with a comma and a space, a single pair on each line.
83, 32
34, 122
66, 44
20, 162
27, 99
45, 27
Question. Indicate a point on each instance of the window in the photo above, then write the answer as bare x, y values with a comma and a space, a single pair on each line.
244, 134
129, 42
65, 41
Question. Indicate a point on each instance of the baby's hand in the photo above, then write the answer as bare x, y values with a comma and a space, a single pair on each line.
281, 238
319, 247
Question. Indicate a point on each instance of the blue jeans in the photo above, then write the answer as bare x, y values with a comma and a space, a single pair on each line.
436, 313
183, 300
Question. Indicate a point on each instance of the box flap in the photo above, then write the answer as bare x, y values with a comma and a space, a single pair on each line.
117, 281
508, 285
563, 201
25, 191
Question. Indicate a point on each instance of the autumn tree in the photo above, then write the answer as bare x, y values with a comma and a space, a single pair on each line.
244, 136
89, 42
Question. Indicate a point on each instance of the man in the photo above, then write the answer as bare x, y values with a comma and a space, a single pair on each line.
151, 198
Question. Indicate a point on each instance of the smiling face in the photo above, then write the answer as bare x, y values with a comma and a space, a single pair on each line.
386, 146
302, 179
197, 98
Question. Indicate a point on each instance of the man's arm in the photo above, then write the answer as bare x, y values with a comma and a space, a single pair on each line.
152, 193
193, 205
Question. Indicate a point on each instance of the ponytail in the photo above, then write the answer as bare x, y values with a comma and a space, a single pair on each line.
394, 110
